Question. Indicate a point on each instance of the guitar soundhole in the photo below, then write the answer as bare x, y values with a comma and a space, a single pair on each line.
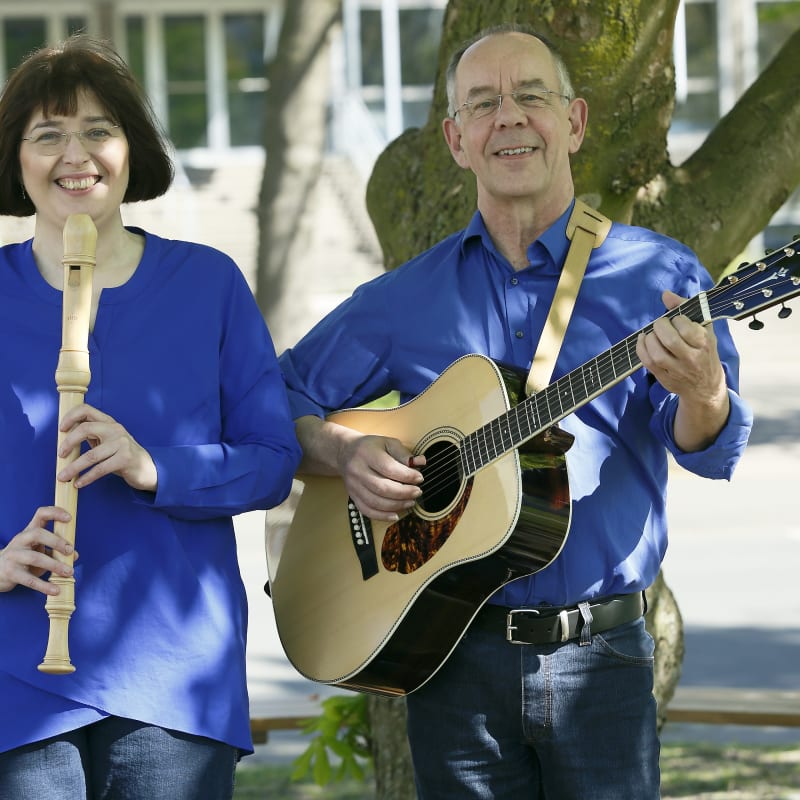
413, 540
442, 476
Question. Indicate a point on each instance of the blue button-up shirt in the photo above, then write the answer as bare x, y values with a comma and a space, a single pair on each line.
402, 329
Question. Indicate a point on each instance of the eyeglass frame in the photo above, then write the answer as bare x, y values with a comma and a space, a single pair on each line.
513, 95
87, 144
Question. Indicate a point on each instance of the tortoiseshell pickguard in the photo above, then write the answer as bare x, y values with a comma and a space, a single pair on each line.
413, 541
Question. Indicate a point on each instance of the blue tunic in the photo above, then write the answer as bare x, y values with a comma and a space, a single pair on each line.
181, 357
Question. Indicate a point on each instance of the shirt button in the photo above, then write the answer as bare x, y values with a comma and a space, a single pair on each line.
519, 335
514, 281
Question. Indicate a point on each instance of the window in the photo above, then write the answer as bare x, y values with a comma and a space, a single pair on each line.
134, 47
420, 32
187, 105
697, 104
21, 36
245, 79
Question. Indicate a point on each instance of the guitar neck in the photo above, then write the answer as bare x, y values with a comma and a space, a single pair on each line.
573, 390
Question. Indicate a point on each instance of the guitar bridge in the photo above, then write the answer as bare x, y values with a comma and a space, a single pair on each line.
363, 543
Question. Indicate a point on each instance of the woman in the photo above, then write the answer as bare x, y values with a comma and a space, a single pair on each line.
185, 424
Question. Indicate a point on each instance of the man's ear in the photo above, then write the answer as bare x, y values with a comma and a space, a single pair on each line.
578, 115
452, 135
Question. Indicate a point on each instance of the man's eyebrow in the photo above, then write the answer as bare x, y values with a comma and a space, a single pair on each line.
531, 83
480, 91
527, 83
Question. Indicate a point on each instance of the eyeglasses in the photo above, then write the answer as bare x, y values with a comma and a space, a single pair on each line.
488, 104
52, 142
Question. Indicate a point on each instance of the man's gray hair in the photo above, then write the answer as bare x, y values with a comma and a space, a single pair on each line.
564, 82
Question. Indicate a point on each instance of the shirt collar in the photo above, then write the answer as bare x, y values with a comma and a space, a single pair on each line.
553, 240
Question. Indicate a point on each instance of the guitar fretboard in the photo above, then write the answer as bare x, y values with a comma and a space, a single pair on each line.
546, 407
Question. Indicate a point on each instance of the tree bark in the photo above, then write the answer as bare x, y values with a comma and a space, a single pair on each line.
394, 775
295, 129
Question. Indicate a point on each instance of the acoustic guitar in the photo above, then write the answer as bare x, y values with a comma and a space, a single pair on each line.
379, 607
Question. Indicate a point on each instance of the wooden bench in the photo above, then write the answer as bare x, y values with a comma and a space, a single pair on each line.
698, 704
726, 706
291, 715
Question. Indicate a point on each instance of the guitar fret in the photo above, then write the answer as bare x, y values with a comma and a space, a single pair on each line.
483, 453
567, 392
546, 397
531, 417
493, 430
620, 359
517, 436
533, 411
554, 395
468, 453
594, 382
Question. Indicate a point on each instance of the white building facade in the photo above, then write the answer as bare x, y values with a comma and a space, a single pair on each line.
203, 64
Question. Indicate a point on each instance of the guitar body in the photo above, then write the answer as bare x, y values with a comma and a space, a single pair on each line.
378, 607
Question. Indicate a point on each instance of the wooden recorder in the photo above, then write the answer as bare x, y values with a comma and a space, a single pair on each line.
72, 380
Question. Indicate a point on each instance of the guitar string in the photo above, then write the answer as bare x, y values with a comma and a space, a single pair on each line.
441, 472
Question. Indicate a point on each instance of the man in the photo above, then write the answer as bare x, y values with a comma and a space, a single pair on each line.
546, 718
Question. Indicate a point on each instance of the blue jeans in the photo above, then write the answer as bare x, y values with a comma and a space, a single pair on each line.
539, 722
119, 759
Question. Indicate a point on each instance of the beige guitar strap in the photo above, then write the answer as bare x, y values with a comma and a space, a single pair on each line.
586, 230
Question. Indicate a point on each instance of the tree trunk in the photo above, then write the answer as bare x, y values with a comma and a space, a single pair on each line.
295, 129
394, 775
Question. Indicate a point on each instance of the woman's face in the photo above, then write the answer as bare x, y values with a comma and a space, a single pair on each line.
76, 174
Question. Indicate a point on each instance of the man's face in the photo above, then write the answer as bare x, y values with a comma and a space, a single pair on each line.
518, 151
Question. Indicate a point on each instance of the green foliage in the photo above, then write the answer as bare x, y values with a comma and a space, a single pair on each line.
341, 731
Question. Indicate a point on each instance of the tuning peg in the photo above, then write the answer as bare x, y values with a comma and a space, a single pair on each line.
784, 312
755, 324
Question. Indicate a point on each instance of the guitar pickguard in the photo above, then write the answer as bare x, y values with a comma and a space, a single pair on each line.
413, 541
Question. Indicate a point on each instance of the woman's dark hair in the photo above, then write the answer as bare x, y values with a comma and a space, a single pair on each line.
50, 80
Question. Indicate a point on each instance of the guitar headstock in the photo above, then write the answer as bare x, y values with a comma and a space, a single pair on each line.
753, 287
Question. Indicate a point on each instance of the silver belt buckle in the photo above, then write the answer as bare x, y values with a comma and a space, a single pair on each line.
563, 618
511, 627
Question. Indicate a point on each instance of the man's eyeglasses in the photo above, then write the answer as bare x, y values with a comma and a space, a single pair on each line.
53, 142
485, 105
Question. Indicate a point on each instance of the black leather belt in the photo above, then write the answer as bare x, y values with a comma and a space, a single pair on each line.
551, 624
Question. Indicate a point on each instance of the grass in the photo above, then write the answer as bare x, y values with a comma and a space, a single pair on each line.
730, 772
688, 771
